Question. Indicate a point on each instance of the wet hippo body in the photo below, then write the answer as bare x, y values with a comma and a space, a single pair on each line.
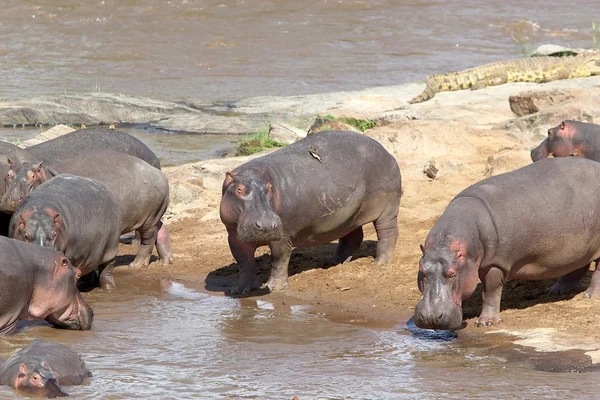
141, 192
87, 140
42, 367
39, 283
74, 215
570, 138
319, 189
541, 221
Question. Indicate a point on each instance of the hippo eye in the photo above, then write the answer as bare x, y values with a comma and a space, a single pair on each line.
35, 378
28, 237
63, 262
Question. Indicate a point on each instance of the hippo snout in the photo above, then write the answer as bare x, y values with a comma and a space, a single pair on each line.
539, 152
266, 228
440, 316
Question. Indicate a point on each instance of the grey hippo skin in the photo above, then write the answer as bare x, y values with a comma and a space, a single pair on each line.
9, 154
39, 283
91, 139
42, 367
141, 191
319, 189
570, 138
76, 216
509, 227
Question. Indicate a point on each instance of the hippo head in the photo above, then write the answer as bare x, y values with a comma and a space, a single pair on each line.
21, 179
56, 297
447, 275
563, 140
44, 227
38, 379
249, 203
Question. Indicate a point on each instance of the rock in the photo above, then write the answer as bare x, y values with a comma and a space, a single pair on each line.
327, 124
532, 102
431, 169
51, 133
506, 160
285, 133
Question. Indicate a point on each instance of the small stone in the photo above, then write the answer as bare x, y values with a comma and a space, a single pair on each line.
431, 169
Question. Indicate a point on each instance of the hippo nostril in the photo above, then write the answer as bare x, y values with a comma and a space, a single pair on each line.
258, 225
274, 225
440, 316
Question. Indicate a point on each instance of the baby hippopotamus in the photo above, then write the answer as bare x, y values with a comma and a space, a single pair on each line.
319, 189
570, 138
41, 368
510, 226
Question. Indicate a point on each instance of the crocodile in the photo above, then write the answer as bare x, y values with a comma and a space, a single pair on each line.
530, 69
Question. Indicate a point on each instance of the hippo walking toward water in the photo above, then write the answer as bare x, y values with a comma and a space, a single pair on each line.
74, 215
319, 189
39, 283
570, 138
541, 221
42, 367
141, 192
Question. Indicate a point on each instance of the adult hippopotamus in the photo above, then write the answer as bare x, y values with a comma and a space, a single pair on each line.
321, 188
8, 152
76, 216
570, 138
42, 367
141, 191
507, 227
88, 140
39, 283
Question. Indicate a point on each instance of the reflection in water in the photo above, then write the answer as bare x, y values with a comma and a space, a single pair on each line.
161, 339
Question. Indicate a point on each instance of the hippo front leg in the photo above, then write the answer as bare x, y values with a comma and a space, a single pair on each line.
281, 251
243, 252
493, 282
386, 227
594, 289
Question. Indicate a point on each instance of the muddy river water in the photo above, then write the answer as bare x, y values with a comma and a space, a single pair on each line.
161, 340
170, 341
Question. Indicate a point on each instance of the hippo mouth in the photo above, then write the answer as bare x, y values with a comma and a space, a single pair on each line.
260, 233
50, 390
443, 315
79, 317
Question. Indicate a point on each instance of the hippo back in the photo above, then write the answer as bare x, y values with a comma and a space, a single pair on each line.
92, 139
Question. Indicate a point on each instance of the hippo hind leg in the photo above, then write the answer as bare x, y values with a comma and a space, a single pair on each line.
163, 244
148, 239
569, 282
593, 290
107, 282
347, 246
386, 227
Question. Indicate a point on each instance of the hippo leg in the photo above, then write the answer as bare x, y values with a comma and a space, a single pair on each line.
493, 282
107, 282
386, 227
148, 239
243, 253
163, 244
10, 327
281, 251
569, 282
347, 246
594, 289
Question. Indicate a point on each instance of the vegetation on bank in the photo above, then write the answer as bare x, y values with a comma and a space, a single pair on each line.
358, 123
256, 142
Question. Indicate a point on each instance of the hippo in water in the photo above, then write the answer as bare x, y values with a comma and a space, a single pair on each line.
8, 152
506, 227
42, 367
141, 192
570, 138
39, 283
76, 216
319, 189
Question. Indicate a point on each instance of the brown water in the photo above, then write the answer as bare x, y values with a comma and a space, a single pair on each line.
183, 344
230, 49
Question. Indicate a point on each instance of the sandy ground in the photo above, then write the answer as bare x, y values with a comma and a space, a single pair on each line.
465, 155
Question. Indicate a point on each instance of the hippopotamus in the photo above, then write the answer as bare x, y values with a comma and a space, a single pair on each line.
141, 191
318, 189
570, 138
89, 140
507, 227
39, 283
42, 367
8, 152
76, 216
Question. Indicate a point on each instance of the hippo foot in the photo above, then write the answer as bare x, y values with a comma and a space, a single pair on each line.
590, 294
241, 289
381, 260
277, 284
561, 288
166, 260
108, 285
140, 263
488, 321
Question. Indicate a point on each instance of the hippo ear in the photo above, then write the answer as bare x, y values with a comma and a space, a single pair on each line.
10, 163
422, 249
57, 220
22, 221
23, 369
562, 125
229, 179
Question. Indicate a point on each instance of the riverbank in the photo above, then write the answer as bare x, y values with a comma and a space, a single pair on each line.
468, 134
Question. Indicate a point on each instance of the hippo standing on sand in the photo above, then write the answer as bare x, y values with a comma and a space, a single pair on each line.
319, 189
42, 367
570, 138
76, 216
141, 192
39, 283
541, 221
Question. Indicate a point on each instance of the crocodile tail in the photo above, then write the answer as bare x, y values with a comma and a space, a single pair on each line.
427, 93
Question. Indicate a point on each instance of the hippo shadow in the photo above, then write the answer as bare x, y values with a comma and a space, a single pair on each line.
519, 295
302, 259
91, 281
